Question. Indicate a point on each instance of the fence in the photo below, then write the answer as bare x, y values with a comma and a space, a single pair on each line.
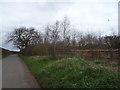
112, 54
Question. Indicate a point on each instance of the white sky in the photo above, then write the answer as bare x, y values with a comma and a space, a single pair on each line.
84, 15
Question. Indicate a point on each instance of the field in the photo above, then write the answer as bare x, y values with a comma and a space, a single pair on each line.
60, 72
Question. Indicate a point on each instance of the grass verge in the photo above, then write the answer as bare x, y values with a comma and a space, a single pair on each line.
57, 72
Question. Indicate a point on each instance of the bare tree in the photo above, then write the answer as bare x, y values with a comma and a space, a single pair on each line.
65, 27
74, 39
54, 35
47, 38
113, 42
81, 40
23, 37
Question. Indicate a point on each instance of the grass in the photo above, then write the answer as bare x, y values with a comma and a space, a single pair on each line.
3, 56
58, 72
104, 63
37, 63
0, 56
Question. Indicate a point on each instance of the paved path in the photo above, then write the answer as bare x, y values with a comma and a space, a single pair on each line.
0, 74
15, 74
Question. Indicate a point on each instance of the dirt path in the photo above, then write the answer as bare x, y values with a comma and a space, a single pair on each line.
15, 74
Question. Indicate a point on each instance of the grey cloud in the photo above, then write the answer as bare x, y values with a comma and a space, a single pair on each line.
84, 16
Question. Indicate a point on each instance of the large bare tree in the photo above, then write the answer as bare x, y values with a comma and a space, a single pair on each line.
23, 37
113, 42
54, 35
47, 39
65, 32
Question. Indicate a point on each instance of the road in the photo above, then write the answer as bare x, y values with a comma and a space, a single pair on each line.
0, 74
15, 74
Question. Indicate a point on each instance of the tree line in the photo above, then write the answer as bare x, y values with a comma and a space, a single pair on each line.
61, 36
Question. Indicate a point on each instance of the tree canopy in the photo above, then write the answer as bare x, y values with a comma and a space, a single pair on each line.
23, 37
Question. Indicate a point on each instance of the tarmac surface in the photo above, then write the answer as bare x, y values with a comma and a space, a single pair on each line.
15, 74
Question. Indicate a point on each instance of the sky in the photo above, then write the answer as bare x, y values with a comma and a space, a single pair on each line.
85, 15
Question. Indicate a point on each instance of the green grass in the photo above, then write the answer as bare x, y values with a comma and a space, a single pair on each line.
58, 72
0, 56
3, 56
104, 63
35, 64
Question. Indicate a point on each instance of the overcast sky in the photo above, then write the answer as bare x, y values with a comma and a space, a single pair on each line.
84, 15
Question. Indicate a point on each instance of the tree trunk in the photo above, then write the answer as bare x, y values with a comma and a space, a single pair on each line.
53, 51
